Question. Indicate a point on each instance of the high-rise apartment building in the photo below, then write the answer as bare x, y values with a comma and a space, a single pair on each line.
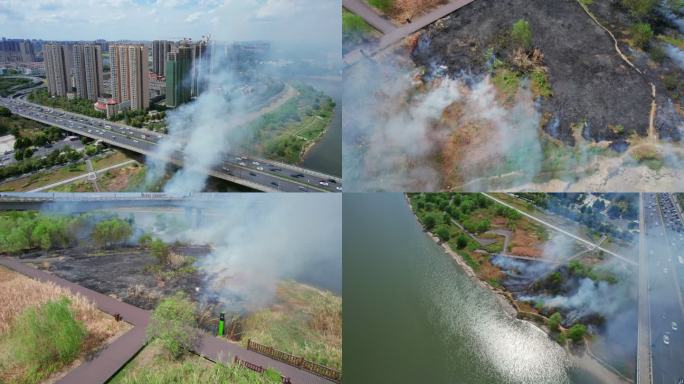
178, 76
88, 71
129, 75
160, 51
56, 69
26, 49
201, 66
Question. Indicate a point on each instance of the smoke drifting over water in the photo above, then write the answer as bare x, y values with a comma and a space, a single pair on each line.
403, 133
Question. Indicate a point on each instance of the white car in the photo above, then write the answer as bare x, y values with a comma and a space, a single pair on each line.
243, 164
666, 339
260, 168
324, 183
255, 162
674, 326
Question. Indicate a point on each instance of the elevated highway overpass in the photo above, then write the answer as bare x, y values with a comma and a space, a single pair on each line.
251, 172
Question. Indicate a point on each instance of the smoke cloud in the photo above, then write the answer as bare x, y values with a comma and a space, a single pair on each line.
402, 132
259, 239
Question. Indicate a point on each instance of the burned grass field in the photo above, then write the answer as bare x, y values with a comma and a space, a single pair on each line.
521, 95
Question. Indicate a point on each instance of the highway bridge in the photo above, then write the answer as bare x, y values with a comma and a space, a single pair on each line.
87, 201
251, 172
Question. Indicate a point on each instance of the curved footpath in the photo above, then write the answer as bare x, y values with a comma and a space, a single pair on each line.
114, 356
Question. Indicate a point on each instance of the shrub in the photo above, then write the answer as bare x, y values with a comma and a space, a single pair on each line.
641, 33
111, 231
443, 232
522, 34
47, 337
554, 321
576, 332
173, 323
160, 250
640, 8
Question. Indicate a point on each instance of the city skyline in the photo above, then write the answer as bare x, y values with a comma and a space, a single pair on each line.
139, 20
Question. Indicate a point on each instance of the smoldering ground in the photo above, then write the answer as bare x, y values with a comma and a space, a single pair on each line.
405, 131
254, 241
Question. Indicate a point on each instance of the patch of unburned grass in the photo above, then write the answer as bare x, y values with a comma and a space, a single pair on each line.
304, 321
152, 366
20, 295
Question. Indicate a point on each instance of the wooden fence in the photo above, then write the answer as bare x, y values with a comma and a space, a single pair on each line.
258, 368
296, 361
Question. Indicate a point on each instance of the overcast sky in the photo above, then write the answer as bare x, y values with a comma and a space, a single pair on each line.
307, 21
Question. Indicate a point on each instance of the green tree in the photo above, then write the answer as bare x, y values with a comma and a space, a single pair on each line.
522, 34
443, 232
576, 332
173, 323
429, 222
554, 321
641, 33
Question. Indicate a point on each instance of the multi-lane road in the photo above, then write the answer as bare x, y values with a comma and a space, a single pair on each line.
254, 173
664, 237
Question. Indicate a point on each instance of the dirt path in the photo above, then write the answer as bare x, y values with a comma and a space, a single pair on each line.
117, 354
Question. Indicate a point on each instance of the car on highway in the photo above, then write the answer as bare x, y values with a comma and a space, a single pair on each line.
674, 326
273, 183
242, 163
260, 168
252, 174
255, 163
666, 339
324, 183
339, 188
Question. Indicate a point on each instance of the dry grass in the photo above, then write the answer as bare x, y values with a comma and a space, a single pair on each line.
304, 321
20, 292
410, 9
176, 260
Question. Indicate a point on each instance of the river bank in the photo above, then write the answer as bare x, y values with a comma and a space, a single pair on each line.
581, 356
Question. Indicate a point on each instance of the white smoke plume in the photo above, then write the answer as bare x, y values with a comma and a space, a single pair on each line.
398, 130
260, 239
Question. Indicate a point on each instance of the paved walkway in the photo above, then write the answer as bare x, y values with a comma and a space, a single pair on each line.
113, 357
393, 34
83, 176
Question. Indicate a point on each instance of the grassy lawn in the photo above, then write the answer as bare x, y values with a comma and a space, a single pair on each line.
43, 178
304, 321
125, 179
109, 160
44, 328
286, 133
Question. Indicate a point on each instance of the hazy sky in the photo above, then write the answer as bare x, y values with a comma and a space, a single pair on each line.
308, 21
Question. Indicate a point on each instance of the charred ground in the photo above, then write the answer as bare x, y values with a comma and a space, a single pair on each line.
593, 88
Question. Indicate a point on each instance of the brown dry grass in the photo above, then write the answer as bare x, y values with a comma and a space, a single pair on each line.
409, 9
525, 244
20, 292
